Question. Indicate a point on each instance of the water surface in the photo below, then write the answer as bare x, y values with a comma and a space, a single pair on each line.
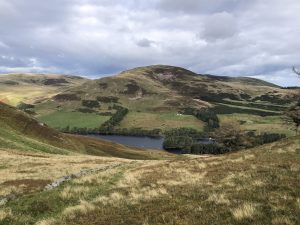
133, 141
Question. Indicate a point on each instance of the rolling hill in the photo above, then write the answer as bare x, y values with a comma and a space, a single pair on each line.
157, 96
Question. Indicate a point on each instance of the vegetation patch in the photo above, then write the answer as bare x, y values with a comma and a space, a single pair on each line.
66, 97
108, 99
90, 103
58, 81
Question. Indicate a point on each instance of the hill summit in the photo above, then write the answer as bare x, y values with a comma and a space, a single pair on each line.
159, 72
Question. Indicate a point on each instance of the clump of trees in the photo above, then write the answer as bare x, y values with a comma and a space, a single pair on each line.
178, 143
24, 106
267, 138
116, 118
206, 115
231, 136
86, 110
181, 139
108, 99
139, 132
294, 112
90, 103
213, 149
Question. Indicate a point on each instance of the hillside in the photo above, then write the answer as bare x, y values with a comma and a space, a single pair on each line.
20, 132
32, 88
157, 95
255, 186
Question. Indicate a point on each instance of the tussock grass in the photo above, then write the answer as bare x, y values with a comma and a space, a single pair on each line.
245, 211
75, 211
5, 213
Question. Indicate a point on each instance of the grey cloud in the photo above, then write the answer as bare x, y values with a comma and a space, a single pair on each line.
90, 37
145, 43
200, 6
220, 26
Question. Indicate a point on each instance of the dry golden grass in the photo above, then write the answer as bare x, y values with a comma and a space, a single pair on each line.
75, 211
46, 222
5, 213
69, 191
241, 187
283, 220
218, 198
245, 211
23, 172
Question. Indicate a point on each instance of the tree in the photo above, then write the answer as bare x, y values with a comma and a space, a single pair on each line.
294, 112
231, 135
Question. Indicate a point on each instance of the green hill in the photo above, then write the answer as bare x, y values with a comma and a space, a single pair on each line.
157, 95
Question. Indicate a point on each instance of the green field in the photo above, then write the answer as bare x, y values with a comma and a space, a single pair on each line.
268, 124
164, 121
62, 119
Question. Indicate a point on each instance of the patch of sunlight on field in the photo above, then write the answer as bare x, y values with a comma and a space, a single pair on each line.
27, 94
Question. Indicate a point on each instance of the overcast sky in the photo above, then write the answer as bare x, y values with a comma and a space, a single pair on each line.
258, 38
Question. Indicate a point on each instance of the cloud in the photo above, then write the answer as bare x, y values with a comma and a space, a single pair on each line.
94, 37
220, 26
145, 43
200, 6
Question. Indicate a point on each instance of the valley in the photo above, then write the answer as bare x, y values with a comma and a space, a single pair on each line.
249, 176
156, 98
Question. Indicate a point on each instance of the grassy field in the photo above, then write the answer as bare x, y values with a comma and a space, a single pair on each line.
268, 124
255, 186
62, 119
164, 121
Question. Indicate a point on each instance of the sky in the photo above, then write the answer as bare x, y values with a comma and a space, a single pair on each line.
94, 38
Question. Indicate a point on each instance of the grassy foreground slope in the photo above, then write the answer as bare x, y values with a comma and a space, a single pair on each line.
19, 131
255, 186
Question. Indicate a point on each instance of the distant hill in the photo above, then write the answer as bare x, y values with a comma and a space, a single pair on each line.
33, 88
156, 96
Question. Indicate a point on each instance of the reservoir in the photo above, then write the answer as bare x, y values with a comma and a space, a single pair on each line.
143, 142
133, 141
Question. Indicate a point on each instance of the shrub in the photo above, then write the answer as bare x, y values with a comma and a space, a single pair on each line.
190, 132
90, 103
178, 143
66, 97
268, 138
86, 110
108, 99
206, 115
208, 149
24, 106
